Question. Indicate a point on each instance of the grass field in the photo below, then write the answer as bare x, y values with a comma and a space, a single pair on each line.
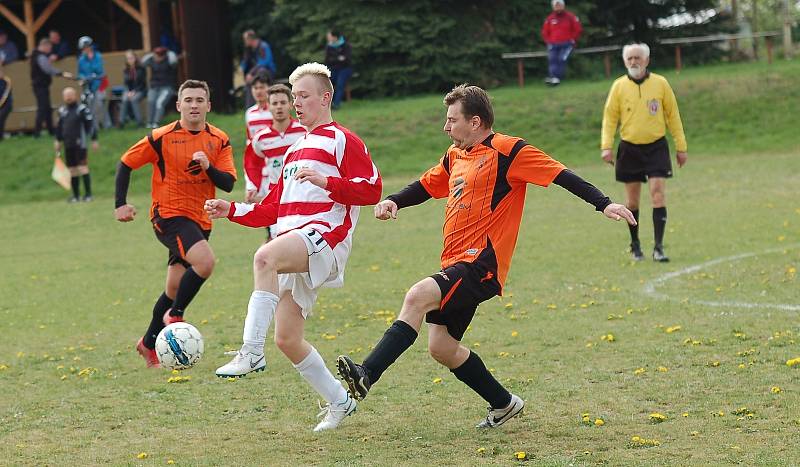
705, 347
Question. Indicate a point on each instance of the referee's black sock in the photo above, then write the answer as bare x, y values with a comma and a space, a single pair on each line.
157, 322
474, 374
76, 186
634, 228
659, 222
87, 184
189, 286
399, 337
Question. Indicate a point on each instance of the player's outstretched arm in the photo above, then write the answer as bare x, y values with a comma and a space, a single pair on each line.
386, 209
592, 195
617, 212
217, 208
123, 211
415, 193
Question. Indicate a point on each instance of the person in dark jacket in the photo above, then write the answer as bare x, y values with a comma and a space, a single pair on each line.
75, 127
6, 101
338, 59
135, 89
60, 47
42, 72
162, 64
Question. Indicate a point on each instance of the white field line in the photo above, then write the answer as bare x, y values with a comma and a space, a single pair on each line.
651, 287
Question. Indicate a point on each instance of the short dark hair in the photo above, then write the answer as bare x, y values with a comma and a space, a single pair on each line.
194, 84
335, 32
262, 78
474, 101
280, 89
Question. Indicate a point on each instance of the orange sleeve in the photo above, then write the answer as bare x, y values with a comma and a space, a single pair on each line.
436, 180
224, 159
533, 166
140, 154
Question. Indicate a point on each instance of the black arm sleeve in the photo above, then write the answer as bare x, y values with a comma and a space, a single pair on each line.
411, 195
582, 189
88, 124
59, 133
222, 180
122, 181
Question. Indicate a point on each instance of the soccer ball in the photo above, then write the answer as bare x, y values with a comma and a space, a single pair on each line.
179, 346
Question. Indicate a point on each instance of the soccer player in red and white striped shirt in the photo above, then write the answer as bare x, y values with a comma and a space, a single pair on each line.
271, 143
256, 118
328, 174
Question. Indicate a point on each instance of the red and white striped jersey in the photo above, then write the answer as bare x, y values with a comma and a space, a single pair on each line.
271, 145
256, 119
353, 180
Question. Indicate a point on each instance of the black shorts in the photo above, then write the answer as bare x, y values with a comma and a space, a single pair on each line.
638, 162
75, 156
464, 286
178, 234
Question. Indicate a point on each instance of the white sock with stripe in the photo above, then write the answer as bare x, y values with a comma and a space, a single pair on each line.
313, 369
260, 311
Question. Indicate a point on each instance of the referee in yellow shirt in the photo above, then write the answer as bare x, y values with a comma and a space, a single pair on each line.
643, 105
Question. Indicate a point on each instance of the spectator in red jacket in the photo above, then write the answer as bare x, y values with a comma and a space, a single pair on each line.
560, 31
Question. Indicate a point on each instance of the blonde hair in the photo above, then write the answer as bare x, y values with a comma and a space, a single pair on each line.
318, 71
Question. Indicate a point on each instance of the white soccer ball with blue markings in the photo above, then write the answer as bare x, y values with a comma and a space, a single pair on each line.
179, 346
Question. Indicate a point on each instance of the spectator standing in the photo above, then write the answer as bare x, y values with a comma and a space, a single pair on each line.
75, 127
257, 60
560, 31
6, 101
90, 69
8, 49
338, 59
135, 89
162, 64
42, 72
60, 47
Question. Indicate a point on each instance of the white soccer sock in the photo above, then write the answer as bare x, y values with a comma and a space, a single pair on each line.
260, 311
313, 369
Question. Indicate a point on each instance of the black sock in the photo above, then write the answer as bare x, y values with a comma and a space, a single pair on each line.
157, 322
634, 228
399, 337
474, 374
87, 184
76, 186
659, 221
189, 286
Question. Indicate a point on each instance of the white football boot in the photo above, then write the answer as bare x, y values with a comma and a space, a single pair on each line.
242, 364
335, 413
497, 417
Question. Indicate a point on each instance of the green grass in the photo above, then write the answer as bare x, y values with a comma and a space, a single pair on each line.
726, 109
78, 287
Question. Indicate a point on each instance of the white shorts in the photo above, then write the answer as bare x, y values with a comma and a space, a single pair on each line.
322, 267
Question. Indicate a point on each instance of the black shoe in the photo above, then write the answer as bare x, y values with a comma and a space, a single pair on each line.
659, 256
355, 376
636, 251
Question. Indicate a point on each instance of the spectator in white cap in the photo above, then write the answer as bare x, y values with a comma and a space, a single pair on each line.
560, 31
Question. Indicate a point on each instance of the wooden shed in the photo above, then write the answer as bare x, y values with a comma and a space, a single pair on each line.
200, 28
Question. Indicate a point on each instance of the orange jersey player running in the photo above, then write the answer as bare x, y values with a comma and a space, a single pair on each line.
484, 176
328, 174
190, 159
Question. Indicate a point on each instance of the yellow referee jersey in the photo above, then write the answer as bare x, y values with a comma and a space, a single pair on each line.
642, 112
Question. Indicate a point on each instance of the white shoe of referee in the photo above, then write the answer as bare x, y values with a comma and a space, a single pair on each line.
242, 364
335, 413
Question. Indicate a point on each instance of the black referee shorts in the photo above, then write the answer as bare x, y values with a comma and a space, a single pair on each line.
75, 156
638, 162
179, 234
464, 286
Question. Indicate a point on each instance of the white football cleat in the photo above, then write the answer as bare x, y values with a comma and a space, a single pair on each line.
242, 364
335, 413
497, 417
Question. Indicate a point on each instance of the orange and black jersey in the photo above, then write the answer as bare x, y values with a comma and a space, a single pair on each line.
180, 186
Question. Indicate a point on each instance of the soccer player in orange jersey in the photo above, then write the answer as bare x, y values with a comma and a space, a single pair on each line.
484, 176
190, 159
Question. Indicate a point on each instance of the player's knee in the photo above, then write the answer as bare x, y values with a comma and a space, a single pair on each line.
420, 300
287, 343
441, 353
264, 261
205, 266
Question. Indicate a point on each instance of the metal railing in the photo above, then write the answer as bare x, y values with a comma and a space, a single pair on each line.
677, 42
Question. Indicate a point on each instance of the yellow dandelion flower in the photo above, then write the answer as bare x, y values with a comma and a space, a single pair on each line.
639, 371
775, 390
793, 362
481, 451
63, 377
713, 364
656, 417
663, 369
437, 380
672, 329
374, 268
175, 372
142, 455
170, 461
204, 321
509, 306
610, 338
514, 334
521, 455
589, 344
3, 367
599, 422
552, 306
694, 433
476, 344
